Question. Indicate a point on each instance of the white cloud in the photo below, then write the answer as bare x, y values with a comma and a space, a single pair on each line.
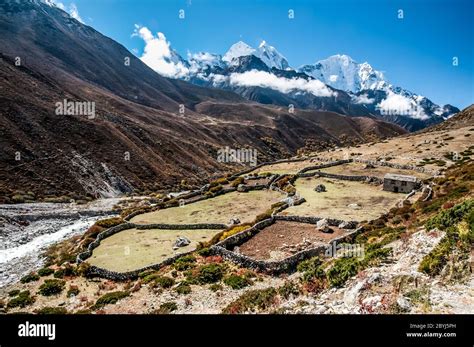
363, 99
264, 79
75, 13
158, 55
71, 9
396, 104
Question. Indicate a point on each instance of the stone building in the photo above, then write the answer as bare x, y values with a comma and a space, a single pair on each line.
399, 183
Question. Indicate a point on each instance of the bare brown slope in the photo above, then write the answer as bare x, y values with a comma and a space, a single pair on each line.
461, 119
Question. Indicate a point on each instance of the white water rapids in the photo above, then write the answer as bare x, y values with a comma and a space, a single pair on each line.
26, 230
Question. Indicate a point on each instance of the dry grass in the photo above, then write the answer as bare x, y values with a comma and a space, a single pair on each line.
244, 206
133, 249
373, 201
410, 149
358, 169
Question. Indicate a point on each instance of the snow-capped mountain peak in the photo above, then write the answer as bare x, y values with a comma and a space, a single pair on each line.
271, 57
342, 72
268, 54
238, 49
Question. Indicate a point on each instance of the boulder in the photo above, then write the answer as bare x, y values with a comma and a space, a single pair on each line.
320, 188
181, 241
322, 223
234, 221
403, 303
354, 206
347, 225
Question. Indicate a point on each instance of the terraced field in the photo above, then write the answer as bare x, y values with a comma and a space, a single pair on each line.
284, 168
133, 249
372, 201
244, 206
359, 169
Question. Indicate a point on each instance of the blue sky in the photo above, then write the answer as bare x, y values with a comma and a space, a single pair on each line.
415, 52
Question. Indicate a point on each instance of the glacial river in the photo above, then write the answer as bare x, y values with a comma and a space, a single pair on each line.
26, 230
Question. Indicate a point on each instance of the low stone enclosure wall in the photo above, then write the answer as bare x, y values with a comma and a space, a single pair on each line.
369, 179
286, 265
205, 197
122, 276
246, 171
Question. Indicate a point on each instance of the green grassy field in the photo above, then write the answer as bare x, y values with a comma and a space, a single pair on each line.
244, 206
373, 201
134, 249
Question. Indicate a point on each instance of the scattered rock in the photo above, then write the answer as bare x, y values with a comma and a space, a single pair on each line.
347, 225
404, 303
354, 206
322, 223
320, 188
234, 221
181, 241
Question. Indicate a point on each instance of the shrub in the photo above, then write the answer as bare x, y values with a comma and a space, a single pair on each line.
288, 289
450, 217
215, 189
342, 270
209, 273
13, 292
183, 288
237, 282
267, 214
51, 287
167, 308
239, 180
109, 222
205, 252
32, 277
83, 269
110, 298
215, 287
311, 269
23, 299
66, 271
234, 230
51, 310
219, 181
72, 291
259, 299
164, 281
184, 263
46, 271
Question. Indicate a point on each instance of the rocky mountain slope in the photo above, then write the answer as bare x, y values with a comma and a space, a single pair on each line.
148, 132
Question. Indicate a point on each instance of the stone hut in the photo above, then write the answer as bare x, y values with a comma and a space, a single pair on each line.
399, 183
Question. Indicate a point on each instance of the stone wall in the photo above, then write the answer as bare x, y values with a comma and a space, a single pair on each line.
323, 166
223, 248
398, 166
120, 276
369, 179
